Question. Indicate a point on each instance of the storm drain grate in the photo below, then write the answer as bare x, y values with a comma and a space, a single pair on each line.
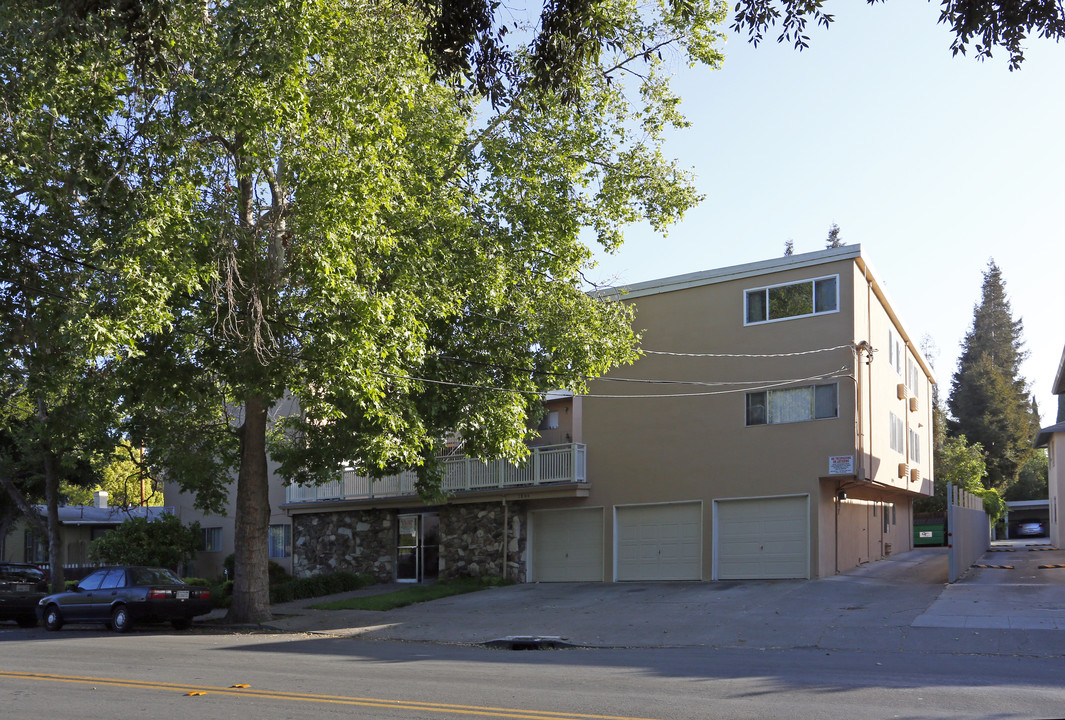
529, 642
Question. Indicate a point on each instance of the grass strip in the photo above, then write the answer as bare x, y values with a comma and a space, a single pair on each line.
410, 595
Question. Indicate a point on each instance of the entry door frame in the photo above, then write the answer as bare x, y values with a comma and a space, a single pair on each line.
419, 547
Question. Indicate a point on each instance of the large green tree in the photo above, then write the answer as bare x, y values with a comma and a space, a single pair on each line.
989, 399
78, 281
371, 253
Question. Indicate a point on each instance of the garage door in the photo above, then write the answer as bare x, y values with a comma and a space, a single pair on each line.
762, 538
660, 542
567, 545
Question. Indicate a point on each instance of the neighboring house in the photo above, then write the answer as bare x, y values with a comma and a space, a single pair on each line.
1053, 439
79, 525
790, 441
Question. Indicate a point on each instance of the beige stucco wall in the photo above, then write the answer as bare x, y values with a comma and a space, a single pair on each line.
569, 423
646, 450
880, 380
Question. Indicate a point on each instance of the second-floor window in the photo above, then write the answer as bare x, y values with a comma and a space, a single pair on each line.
913, 378
798, 299
812, 402
915, 446
897, 434
894, 349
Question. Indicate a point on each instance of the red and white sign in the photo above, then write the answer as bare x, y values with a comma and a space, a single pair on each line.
841, 465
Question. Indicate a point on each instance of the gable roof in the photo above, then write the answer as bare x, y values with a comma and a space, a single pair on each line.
1059, 379
1042, 439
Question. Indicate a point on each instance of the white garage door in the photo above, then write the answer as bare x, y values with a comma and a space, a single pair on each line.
762, 538
567, 545
660, 542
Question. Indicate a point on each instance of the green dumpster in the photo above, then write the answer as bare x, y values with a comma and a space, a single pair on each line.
929, 534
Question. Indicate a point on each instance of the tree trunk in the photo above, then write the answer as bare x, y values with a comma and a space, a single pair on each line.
51, 499
251, 581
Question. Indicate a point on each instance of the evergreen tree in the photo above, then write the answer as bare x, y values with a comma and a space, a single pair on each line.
833, 240
989, 400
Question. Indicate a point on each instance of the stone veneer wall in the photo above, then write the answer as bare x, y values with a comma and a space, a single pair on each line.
364, 541
361, 541
471, 537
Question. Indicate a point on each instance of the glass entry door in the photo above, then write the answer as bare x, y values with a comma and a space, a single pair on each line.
418, 548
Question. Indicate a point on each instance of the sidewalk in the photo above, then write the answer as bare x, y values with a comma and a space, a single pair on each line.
900, 604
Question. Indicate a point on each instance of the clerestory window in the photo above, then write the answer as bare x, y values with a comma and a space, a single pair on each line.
791, 300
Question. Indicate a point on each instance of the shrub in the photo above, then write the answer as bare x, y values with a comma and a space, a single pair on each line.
162, 542
318, 585
198, 582
277, 573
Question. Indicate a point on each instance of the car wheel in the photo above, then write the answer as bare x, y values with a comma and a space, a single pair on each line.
52, 619
120, 621
181, 624
27, 622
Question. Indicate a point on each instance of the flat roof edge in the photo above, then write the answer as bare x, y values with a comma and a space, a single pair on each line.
733, 272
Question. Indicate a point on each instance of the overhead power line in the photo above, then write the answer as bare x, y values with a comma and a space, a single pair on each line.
849, 346
841, 372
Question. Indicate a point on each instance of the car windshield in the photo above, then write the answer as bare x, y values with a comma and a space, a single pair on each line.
152, 576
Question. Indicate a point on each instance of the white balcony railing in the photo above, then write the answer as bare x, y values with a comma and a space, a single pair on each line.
551, 464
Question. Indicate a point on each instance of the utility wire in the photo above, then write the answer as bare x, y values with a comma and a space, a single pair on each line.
748, 355
841, 372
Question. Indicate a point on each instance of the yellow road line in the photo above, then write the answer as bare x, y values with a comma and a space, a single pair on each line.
330, 699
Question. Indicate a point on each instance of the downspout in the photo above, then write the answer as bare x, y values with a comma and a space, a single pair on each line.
506, 523
869, 336
839, 506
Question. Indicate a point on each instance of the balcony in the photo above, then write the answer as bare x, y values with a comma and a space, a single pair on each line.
545, 466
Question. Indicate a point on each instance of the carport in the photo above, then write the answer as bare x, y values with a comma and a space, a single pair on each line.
1027, 511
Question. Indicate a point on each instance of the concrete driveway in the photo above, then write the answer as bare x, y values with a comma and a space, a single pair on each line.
1011, 591
901, 603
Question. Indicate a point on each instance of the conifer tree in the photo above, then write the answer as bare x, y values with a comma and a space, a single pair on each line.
989, 400
834, 240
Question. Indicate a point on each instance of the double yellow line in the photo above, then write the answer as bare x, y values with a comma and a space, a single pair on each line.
246, 691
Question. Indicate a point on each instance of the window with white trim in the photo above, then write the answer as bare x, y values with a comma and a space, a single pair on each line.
915, 445
280, 541
913, 377
788, 405
895, 352
212, 539
897, 434
791, 300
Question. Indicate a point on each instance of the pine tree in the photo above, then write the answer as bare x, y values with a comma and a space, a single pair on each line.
989, 400
833, 240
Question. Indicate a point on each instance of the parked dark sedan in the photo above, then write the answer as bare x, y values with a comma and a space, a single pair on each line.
21, 587
121, 596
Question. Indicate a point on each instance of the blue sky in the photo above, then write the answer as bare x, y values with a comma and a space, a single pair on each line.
934, 164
